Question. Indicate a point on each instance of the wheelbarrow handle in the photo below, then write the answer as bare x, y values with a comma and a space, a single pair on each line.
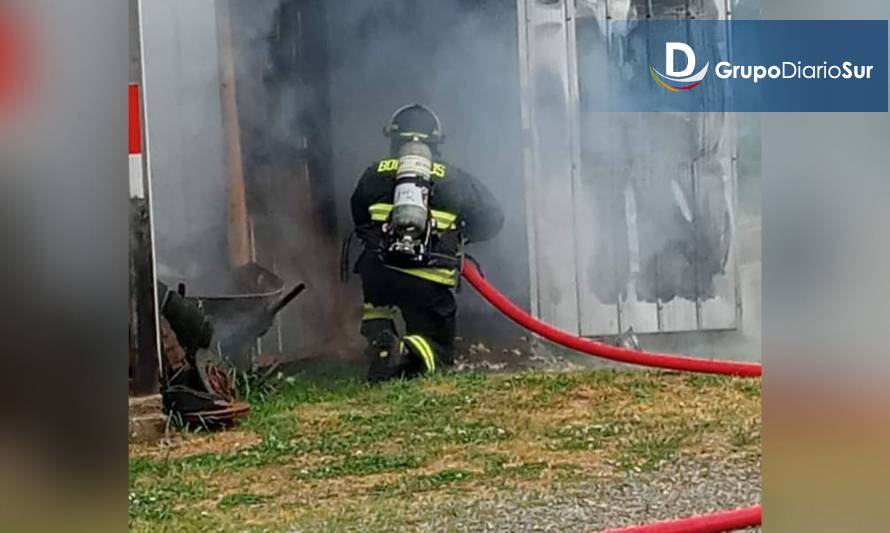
287, 298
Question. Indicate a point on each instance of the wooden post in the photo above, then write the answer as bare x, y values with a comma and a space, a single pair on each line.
239, 227
144, 362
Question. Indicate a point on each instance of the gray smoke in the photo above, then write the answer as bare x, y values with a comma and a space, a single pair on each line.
459, 57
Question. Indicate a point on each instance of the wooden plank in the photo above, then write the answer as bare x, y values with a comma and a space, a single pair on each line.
239, 226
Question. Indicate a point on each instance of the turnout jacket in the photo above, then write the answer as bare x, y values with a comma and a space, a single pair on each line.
462, 209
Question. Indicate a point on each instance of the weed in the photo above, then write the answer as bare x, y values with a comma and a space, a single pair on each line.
241, 499
524, 470
363, 465
641, 388
745, 437
142, 466
424, 483
750, 387
585, 437
156, 502
701, 381
650, 452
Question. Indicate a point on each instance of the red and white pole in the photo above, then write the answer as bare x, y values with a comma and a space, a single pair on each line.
137, 186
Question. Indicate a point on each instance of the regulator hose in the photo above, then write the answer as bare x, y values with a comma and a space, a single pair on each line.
590, 347
711, 523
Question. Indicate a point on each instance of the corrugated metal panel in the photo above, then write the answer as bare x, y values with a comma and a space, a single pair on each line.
645, 201
185, 132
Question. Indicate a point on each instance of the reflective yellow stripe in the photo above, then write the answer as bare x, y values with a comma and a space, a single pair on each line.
430, 356
380, 212
445, 276
372, 312
445, 216
444, 220
425, 350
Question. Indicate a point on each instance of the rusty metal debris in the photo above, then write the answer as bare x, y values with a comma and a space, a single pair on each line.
199, 385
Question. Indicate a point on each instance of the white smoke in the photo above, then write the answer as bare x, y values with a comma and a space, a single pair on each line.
459, 57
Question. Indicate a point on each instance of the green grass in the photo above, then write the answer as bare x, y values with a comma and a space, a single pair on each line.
586, 436
363, 466
240, 499
648, 452
415, 484
156, 503
327, 450
749, 387
745, 438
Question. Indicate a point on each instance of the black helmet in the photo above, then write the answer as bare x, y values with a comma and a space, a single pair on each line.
415, 120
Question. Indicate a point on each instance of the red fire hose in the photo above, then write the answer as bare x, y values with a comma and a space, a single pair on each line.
598, 349
714, 523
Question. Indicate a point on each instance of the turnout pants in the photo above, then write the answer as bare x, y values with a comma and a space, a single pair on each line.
428, 310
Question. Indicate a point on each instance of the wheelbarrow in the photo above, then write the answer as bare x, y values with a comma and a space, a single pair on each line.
242, 310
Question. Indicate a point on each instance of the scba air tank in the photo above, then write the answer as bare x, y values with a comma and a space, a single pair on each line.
410, 212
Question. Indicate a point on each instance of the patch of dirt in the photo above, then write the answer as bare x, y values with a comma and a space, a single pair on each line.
288, 492
444, 388
324, 415
536, 450
269, 479
187, 444
391, 446
450, 458
320, 413
144, 405
507, 354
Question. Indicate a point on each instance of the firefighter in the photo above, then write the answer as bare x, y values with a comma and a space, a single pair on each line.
413, 213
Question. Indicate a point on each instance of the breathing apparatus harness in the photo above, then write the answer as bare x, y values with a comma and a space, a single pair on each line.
410, 229
407, 234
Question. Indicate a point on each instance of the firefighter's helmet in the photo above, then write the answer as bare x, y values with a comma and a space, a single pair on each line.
415, 121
